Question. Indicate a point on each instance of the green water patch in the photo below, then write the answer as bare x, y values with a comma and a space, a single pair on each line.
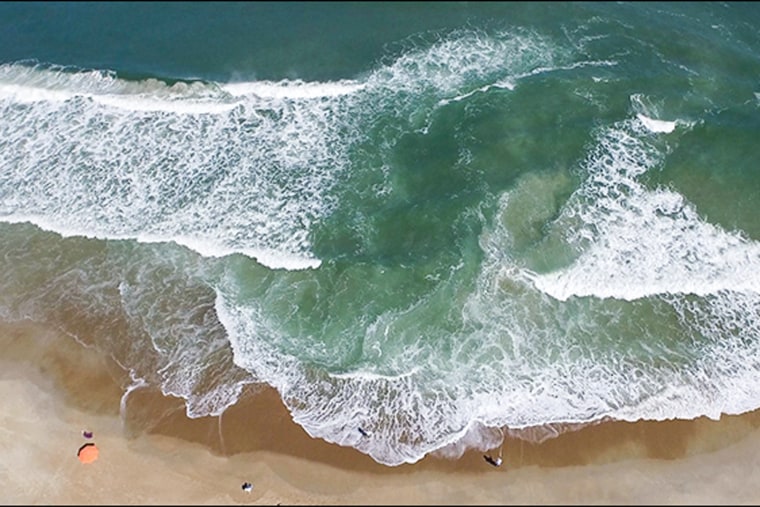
405, 197
343, 315
407, 190
715, 167
532, 221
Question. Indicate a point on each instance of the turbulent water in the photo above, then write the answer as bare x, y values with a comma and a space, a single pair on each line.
425, 220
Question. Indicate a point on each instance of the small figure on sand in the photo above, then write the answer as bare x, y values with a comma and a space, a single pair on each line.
364, 433
247, 487
492, 461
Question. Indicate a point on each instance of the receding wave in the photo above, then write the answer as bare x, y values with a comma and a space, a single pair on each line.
637, 241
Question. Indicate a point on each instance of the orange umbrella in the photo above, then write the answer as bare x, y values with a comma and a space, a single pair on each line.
88, 453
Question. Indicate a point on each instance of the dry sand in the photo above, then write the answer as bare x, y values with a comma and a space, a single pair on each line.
51, 389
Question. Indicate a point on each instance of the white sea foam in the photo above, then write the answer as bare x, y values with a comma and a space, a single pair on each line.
239, 167
463, 58
648, 112
38, 84
272, 258
293, 89
555, 68
188, 163
25, 94
178, 106
510, 82
564, 357
657, 126
645, 242
137, 383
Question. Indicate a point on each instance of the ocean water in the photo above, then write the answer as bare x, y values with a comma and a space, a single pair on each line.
428, 220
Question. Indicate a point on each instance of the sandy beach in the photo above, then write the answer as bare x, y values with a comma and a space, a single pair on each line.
52, 389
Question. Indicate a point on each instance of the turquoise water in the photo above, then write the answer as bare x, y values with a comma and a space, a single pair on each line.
427, 220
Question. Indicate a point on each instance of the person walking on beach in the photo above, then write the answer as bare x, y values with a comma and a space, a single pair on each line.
493, 461
497, 460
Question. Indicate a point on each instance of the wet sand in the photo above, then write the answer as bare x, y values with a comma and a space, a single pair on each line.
51, 389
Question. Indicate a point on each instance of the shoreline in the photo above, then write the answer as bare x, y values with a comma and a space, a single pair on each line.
53, 389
